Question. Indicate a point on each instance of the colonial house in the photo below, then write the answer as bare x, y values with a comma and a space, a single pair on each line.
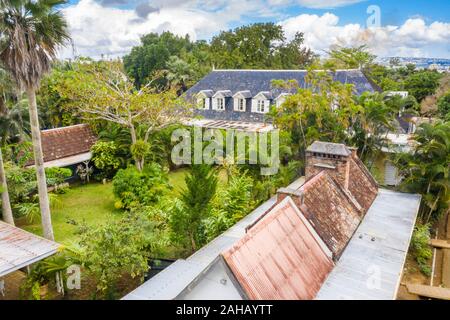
333, 234
236, 96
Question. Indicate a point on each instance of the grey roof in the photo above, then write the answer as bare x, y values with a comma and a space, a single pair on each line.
19, 248
245, 93
207, 93
372, 263
261, 80
266, 94
337, 149
225, 93
170, 282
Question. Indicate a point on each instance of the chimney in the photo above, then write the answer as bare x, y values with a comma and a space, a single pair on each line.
333, 157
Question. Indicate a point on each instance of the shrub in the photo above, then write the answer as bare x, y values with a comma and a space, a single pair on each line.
105, 156
420, 244
56, 175
134, 188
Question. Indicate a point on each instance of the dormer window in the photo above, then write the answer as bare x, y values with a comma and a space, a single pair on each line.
220, 99
204, 99
281, 99
240, 100
261, 102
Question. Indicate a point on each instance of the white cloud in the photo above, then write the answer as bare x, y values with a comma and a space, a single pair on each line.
98, 29
413, 38
326, 4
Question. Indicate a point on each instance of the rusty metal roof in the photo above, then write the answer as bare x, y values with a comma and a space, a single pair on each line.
19, 248
281, 257
60, 143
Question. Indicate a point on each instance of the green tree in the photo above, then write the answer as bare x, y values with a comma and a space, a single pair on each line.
31, 33
352, 58
154, 54
426, 168
136, 188
444, 105
105, 157
187, 218
259, 46
422, 84
118, 248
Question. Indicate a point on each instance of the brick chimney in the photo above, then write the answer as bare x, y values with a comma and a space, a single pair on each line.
333, 157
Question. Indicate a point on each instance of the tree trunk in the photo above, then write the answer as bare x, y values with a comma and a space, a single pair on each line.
6, 205
44, 203
133, 142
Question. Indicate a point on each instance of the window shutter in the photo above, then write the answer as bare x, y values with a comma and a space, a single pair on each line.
214, 103
254, 105
207, 103
236, 104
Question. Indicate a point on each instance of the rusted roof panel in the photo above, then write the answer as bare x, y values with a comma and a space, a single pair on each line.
64, 142
281, 257
19, 248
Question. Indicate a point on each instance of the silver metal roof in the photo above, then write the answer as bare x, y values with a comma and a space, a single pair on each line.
19, 248
372, 263
338, 149
170, 282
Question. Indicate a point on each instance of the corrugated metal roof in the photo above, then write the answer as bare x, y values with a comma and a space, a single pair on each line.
170, 282
372, 264
19, 248
281, 257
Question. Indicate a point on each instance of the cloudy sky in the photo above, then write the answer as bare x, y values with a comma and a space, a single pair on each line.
415, 28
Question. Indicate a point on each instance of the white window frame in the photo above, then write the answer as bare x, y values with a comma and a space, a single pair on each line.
203, 103
260, 105
240, 104
219, 104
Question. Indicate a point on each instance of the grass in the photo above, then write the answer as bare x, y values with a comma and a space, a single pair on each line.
91, 204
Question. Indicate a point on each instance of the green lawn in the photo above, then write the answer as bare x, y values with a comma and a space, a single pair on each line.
92, 204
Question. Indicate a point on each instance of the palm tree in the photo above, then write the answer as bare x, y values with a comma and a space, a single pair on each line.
5, 87
30, 34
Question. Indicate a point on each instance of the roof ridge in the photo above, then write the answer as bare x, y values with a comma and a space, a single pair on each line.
283, 70
66, 127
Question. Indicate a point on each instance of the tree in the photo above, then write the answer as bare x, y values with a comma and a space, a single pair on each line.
422, 84
444, 105
31, 32
352, 58
187, 218
104, 92
259, 46
426, 168
6, 203
154, 54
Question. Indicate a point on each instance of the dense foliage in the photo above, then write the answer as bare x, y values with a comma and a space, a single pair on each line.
136, 188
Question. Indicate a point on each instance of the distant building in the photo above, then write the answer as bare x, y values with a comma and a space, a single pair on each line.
318, 238
247, 95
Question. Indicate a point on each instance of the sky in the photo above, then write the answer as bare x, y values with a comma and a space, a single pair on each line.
415, 28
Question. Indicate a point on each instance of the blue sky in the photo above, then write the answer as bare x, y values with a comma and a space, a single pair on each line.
408, 28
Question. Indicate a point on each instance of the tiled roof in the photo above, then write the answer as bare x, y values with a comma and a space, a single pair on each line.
64, 142
331, 210
280, 257
361, 183
261, 80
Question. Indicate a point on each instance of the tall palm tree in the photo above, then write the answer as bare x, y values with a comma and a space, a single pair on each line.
5, 87
30, 34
